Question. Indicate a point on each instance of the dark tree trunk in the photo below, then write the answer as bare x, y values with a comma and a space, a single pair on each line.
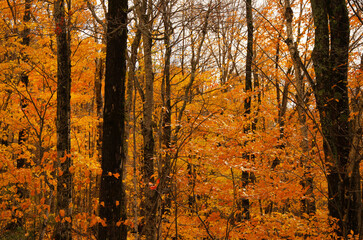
130, 107
24, 79
149, 197
244, 205
99, 102
149, 202
131, 66
112, 192
166, 113
330, 57
63, 229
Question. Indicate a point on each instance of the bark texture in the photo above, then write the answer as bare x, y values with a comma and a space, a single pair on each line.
244, 205
330, 58
149, 202
63, 229
166, 113
308, 203
112, 192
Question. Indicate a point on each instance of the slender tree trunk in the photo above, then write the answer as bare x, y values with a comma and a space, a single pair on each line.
244, 205
330, 58
281, 111
24, 79
166, 112
131, 66
149, 202
357, 142
112, 192
308, 203
130, 107
63, 229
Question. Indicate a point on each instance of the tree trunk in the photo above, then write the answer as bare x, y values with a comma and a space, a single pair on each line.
330, 58
357, 140
112, 192
24, 79
63, 229
308, 203
244, 205
166, 112
130, 107
149, 202
99, 102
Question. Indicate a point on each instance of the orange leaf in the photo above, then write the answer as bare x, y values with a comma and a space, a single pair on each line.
62, 213
103, 222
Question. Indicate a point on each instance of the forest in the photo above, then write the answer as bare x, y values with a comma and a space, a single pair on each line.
179, 119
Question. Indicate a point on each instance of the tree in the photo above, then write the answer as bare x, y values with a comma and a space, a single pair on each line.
166, 110
330, 58
112, 209
149, 201
63, 230
308, 203
247, 176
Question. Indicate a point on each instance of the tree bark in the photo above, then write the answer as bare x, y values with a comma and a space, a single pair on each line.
330, 58
99, 102
24, 79
244, 205
308, 203
149, 202
63, 229
112, 192
166, 111
130, 108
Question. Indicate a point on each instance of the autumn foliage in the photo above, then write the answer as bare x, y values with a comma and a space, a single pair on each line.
199, 169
